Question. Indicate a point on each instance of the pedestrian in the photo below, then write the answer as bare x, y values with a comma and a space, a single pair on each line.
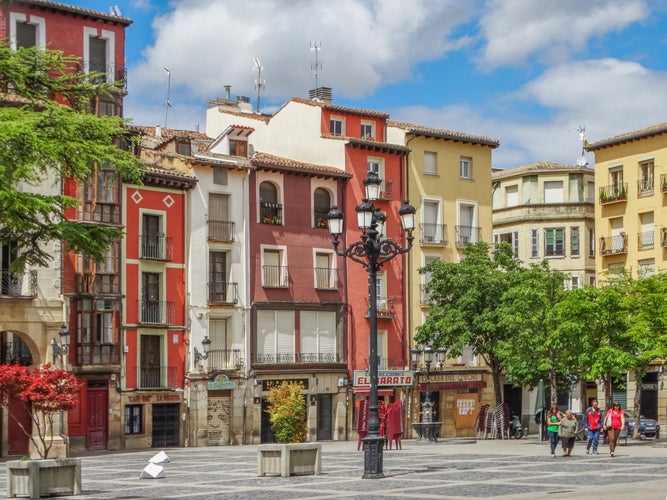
614, 423
593, 423
553, 424
568, 429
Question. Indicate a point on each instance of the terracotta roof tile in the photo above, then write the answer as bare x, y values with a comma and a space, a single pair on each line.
76, 10
643, 133
278, 162
538, 167
341, 109
414, 129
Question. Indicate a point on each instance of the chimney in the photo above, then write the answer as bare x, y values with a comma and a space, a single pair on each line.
158, 131
322, 94
228, 91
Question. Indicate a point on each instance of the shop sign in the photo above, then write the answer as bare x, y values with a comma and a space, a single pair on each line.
269, 384
385, 378
221, 382
455, 377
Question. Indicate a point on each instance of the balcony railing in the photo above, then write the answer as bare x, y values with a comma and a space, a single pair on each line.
98, 283
386, 190
157, 377
611, 245
433, 233
156, 312
275, 276
645, 187
223, 293
424, 296
270, 213
614, 193
646, 240
663, 237
156, 247
385, 307
22, 285
663, 183
224, 359
325, 278
297, 358
467, 234
386, 363
105, 354
221, 230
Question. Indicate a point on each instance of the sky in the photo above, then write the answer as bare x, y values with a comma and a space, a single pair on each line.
529, 73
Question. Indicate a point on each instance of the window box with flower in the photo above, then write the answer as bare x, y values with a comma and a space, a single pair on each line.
271, 219
322, 223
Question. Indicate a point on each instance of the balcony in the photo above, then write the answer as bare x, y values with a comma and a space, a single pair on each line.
432, 234
614, 194
224, 359
612, 245
663, 237
158, 377
645, 240
296, 358
156, 312
271, 213
385, 307
98, 284
424, 296
386, 363
326, 278
221, 230
274, 276
156, 247
467, 234
23, 285
221, 293
645, 187
90, 354
663, 183
386, 191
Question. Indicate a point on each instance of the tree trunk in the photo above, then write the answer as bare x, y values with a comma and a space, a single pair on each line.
553, 388
637, 403
497, 390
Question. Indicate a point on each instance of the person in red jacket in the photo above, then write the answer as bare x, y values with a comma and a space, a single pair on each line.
593, 422
614, 423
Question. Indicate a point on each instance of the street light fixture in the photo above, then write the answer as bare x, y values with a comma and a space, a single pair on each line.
372, 252
206, 347
429, 428
61, 349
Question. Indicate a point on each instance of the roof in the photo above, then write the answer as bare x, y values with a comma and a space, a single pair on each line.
48, 4
629, 137
268, 161
169, 177
341, 109
166, 134
385, 147
539, 167
420, 130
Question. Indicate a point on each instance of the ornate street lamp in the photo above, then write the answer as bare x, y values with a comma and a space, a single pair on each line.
429, 428
62, 348
206, 346
372, 252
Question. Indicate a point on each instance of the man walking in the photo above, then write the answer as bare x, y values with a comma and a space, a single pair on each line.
593, 422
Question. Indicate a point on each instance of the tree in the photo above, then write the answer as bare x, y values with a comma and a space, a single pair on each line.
464, 304
287, 413
43, 392
48, 134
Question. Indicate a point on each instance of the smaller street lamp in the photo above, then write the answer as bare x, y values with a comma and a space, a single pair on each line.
62, 348
429, 428
206, 347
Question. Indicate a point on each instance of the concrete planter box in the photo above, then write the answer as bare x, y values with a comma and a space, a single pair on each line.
42, 478
289, 459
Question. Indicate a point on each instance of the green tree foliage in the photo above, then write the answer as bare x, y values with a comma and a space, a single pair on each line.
287, 413
48, 133
464, 304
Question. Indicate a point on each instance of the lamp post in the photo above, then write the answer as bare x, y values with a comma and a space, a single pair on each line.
206, 347
62, 348
372, 252
426, 353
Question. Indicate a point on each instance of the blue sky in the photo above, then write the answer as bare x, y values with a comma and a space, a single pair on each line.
528, 73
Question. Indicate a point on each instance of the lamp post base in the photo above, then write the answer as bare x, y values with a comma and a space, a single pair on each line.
373, 446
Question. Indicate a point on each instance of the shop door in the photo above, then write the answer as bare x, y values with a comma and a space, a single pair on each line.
17, 439
324, 417
166, 430
266, 433
97, 418
649, 397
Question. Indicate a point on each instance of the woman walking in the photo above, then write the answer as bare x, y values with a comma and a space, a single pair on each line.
614, 423
553, 424
568, 429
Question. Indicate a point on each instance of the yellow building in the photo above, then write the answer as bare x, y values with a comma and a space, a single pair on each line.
448, 181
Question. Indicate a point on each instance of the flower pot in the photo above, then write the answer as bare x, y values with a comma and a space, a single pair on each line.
289, 459
42, 478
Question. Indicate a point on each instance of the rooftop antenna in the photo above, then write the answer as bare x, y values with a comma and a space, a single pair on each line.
259, 83
581, 161
167, 103
315, 67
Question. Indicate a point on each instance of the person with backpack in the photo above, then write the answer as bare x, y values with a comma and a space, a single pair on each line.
553, 424
593, 422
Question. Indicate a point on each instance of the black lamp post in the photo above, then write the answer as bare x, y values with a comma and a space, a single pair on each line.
372, 252
62, 348
206, 346
427, 353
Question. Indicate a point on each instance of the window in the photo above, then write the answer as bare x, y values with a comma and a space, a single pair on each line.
270, 211
26, 30
512, 196
367, 130
99, 196
96, 321
273, 272
574, 281
238, 148
321, 206
512, 238
376, 165
574, 242
432, 229
467, 230
590, 192
553, 192
318, 336
99, 52
154, 244
325, 273
10, 281
220, 228
26, 35
217, 277
336, 126
591, 242
151, 310
465, 168
534, 244
616, 182
554, 242
220, 176
646, 237
646, 267
134, 419
275, 336
646, 176
184, 147
430, 163
222, 354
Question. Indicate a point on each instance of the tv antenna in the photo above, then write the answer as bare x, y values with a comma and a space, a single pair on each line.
167, 103
259, 83
315, 67
582, 162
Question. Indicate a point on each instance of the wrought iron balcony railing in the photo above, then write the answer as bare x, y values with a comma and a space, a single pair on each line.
614, 193
157, 377
433, 233
325, 278
387, 363
275, 276
156, 247
23, 285
467, 234
156, 312
612, 245
297, 358
646, 240
645, 187
223, 293
224, 359
221, 230
385, 307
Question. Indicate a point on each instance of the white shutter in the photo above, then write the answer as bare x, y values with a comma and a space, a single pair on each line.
266, 338
285, 331
327, 332
553, 192
308, 332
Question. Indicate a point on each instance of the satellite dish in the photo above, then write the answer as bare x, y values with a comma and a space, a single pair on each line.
582, 162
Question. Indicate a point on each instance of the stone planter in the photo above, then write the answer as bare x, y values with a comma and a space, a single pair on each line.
289, 459
42, 478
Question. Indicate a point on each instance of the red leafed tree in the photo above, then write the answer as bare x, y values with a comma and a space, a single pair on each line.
44, 392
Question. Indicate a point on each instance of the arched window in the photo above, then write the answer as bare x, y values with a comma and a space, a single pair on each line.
270, 211
321, 207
